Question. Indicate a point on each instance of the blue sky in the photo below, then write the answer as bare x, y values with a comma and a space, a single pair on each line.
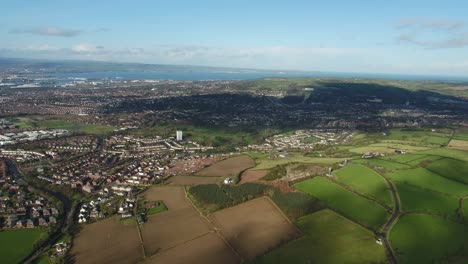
409, 37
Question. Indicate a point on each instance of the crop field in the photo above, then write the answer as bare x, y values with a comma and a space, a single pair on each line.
328, 238
254, 227
345, 202
179, 224
450, 168
107, 241
17, 244
252, 175
429, 239
230, 167
366, 181
423, 178
208, 248
459, 144
181, 180
419, 200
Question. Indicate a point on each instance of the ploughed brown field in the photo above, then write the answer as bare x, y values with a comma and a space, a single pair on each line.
207, 249
252, 175
181, 233
254, 227
230, 167
192, 180
107, 241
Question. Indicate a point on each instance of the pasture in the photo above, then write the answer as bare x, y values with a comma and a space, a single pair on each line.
429, 239
366, 181
417, 200
450, 168
15, 245
425, 179
345, 202
254, 227
459, 144
328, 238
381, 164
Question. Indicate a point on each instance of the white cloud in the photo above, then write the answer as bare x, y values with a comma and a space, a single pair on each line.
48, 31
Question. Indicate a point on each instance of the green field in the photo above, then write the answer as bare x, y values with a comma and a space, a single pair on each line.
386, 148
423, 136
366, 181
17, 244
382, 164
423, 178
328, 238
450, 168
465, 209
414, 199
449, 153
267, 163
345, 202
429, 239
71, 126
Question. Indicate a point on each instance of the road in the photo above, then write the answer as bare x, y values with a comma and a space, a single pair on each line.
62, 224
391, 221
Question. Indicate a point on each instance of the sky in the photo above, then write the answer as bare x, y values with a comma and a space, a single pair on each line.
394, 37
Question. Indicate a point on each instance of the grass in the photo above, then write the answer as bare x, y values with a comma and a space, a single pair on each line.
68, 125
366, 181
418, 135
386, 148
450, 168
328, 238
465, 209
17, 244
448, 153
423, 178
267, 163
345, 202
161, 208
429, 239
382, 164
419, 200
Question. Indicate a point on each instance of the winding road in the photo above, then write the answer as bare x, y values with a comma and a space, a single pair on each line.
391, 221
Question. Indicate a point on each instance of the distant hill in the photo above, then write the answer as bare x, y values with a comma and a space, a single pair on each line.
67, 66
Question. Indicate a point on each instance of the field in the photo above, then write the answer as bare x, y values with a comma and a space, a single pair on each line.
448, 153
64, 124
207, 249
254, 227
419, 200
252, 175
328, 238
422, 136
382, 164
386, 148
459, 144
366, 181
107, 241
425, 179
267, 163
180, 180
450, 168
230, 167
345, 202
170, 232
17, 244
429, 239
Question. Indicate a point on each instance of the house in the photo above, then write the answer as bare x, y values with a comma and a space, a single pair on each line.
228, 181
54, 211
45, 212
19, 224
42, 222
35, 213
52, 220
11, 220
29, 223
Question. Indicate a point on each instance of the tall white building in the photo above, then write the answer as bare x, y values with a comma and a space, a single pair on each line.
179, 135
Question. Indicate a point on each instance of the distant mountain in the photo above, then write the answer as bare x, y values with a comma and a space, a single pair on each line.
69, 66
